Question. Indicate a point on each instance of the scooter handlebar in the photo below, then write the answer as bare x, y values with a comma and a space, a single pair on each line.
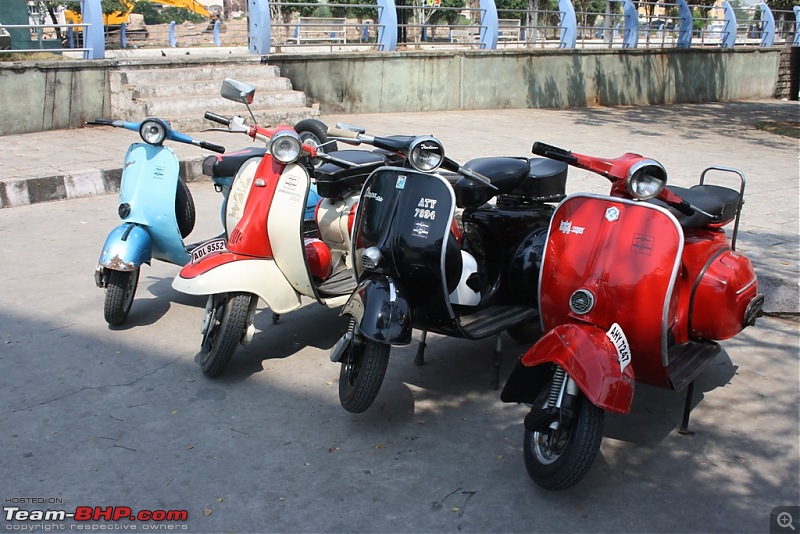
213, 117
100, 121
341, 133
553, 152
212, 147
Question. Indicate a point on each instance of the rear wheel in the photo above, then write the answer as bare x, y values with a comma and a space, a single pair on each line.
363, 368
558, 458
120, 289
223, 328
184, 208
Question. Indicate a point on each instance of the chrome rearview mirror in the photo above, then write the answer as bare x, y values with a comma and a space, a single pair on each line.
237, 91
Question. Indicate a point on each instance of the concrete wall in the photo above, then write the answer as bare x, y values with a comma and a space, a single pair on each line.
451, 80
48, 95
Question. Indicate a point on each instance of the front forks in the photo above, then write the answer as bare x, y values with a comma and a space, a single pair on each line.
558, 410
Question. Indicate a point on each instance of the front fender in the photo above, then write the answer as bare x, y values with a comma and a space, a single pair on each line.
127, 247
380, 307
588, 357
230, 273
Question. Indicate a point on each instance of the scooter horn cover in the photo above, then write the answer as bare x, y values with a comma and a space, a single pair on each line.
318, 256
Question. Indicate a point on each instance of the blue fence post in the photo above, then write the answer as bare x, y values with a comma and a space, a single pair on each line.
631, 17
796, 41
172, 41
685, 25
489, 25
569, 24
123, 35
94, 37
768, 26
217, 41
260, 31
729, 30
387, 26
70, 38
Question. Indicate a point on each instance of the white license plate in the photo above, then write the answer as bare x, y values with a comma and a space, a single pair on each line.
620, 342
209, 247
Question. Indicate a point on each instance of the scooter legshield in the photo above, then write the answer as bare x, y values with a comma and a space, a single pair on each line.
127, 247
587, 355
381, 308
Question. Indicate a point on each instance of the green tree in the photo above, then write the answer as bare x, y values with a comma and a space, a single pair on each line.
448, 16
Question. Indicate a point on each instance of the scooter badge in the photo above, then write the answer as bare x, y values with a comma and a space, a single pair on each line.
612, 214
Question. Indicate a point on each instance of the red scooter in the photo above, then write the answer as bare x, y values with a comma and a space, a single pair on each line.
634, 286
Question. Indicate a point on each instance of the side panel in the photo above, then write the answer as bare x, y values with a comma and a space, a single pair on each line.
239, 190
626, 255
589, 357
259, 276
127, 247
284, 227
149, 182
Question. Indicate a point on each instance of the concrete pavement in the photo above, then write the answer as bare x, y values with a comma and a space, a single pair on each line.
100, 417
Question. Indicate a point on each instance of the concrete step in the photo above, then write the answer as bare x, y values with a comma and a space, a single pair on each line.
183, 94
198, 105
203, 88
210, 72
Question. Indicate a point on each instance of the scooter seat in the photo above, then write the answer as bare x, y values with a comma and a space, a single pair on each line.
504, 173
721, 203
335, 181
226, 165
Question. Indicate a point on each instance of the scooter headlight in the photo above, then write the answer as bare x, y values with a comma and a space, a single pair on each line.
426, 153
646, 179
285, 146
153, 131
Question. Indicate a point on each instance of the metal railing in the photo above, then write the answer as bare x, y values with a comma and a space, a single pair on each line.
42, 38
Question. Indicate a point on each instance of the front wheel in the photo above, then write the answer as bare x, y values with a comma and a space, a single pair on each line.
120, 289
363, 368
558, 458
315, 133
223, 327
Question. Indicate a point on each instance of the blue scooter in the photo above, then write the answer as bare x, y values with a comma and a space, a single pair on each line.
157, 208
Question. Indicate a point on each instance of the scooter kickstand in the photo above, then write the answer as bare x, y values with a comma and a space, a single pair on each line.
419, 359
494, 379
687, 409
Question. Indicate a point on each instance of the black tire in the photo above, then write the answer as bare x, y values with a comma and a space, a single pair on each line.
361, 375
120, 290
184, 208
315, 133
227, 326
527, 332
560, 464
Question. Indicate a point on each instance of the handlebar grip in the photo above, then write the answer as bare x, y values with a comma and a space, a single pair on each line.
217, 118
553, 152
338, 132
100, 121
212, 147
684, 207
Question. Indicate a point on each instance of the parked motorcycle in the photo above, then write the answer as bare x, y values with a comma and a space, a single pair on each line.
417, 267
156, 208
634, 286
268, 255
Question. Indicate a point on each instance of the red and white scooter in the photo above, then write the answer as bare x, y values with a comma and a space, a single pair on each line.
634, 287
268, 255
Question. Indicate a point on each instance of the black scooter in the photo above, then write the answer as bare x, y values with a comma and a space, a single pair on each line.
418, 267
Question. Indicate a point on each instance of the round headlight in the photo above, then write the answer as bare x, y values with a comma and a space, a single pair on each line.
646, 179
426, 153
285, 146
153, 131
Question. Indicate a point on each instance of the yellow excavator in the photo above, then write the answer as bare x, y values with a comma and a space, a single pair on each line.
135, 22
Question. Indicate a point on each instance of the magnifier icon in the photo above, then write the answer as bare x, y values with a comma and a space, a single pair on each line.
785, 520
